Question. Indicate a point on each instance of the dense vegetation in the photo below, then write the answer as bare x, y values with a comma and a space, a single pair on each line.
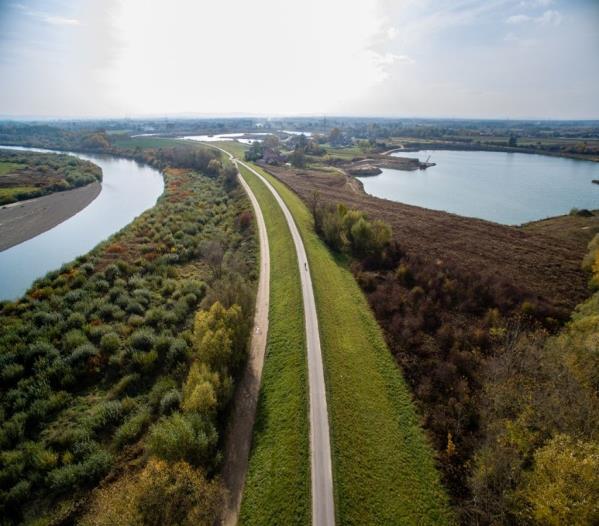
118, 368
513, 412
384, 469
25, 175
539, 457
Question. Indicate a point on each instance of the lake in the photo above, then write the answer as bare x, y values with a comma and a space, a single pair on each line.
508, 188
128, 189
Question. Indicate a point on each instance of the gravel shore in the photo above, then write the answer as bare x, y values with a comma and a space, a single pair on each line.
26, 219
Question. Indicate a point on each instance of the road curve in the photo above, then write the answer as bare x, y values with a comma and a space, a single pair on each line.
323, 507
238, 439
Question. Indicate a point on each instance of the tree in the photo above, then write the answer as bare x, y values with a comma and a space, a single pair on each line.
255, 152
229, 177
214, 254
563, 487
362, 237
219, 337
214, 167
513, 142
271, 141
188, 437
335, 137
298, 158
301, 141
199, 393
162, 494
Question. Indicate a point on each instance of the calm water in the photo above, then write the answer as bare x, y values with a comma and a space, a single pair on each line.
508, 188
128, 189
223, 137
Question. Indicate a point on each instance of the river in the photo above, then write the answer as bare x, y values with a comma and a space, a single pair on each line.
508, 188
128, 189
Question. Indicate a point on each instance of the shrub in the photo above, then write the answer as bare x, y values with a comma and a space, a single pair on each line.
170, 402
162, 386
110, 342
132, 428
142, 339
105, 414
74, 339
127, 384
88, 471
183, 437
178, 351
75, 321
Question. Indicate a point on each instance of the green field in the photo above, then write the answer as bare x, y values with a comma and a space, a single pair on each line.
384, 468
277, 489
8, 167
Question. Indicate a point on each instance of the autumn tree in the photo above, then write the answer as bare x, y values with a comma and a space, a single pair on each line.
563, 487
162, 494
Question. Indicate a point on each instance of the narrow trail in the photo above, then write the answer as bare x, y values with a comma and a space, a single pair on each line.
323, 506
398, 149
238, 439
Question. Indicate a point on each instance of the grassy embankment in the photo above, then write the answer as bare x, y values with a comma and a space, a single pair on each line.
277, 488
383, 465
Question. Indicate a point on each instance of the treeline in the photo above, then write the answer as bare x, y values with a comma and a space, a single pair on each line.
494, 387
118, 368
25, 175
53, 137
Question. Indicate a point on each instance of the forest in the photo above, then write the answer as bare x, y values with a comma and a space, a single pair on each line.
118, 368
507, 385
26, 175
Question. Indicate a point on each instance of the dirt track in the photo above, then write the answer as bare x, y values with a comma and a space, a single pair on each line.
26, 219
547, 265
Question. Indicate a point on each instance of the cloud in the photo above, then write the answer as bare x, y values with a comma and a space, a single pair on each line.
48, 18
391, 33
548, 18
536, 3
387, 59
518, 19
520, 41
60, 20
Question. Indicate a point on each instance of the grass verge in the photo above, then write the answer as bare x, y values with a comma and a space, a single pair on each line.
277, 489
383, 465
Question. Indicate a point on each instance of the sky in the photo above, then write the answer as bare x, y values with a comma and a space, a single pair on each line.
390, 58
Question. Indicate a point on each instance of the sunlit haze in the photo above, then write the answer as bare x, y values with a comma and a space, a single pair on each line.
496, 58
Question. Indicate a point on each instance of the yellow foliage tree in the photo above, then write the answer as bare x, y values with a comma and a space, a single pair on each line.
199, 394
162, 494
563, 487
219, 336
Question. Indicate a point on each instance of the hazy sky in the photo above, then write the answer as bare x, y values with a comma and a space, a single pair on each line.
460, 58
